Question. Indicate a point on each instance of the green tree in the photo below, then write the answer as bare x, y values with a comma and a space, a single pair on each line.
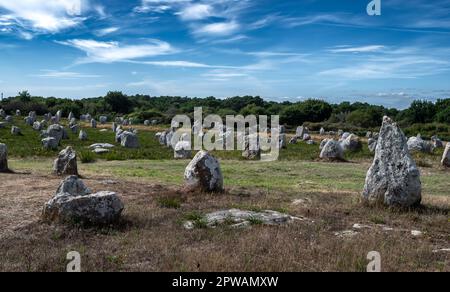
119, 102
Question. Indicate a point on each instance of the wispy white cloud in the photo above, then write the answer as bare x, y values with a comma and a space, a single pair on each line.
196, 12
106, 31
109, 52
363, 49
43, 15
218, 29
64, 75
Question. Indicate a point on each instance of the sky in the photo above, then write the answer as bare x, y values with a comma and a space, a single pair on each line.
287, 50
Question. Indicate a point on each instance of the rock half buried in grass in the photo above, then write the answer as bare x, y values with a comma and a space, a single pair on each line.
66, 163
74, 203
239, 218
203, 174
49, 143
3, 158
393, 179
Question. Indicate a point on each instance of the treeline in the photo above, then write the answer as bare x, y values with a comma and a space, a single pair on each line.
312, 111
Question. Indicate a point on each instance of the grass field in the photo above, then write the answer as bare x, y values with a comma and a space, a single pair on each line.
151, 236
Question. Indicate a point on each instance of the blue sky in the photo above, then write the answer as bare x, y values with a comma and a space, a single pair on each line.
280, 50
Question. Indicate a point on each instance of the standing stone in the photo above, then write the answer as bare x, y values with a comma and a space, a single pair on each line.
393, 179
74, 129
369, 134
323, 143
372, 144
114, 127
49, 143
437, 143
37, 126
301, 131
417, 144
73, 122
9, 119
163, 138
3, 158
93, 124
252, 149
83, 135
2, 113
74, 203
129, 140
446, 156
332, 151
66, 163
154, 122
118, 136
103, 119
294, 140
29, 121
340, 133
15, 131
204, 174
56, 131
322, 131
306, 137
282, 142
351, 142
147, 123
71, 116
183, 150
18, 113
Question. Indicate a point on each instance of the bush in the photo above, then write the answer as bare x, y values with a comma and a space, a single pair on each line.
87, 157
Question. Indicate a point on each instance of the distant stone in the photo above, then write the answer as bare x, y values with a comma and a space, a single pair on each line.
417, 144
340, 133
182, 150
154, 122
306, 137
416, 233
118, 136
37, 126
282, 142
18, 113
311, 142
2, 113
100, 150
74, 129
101, 145
345, 135
322, 131
103, 119
129, 140
323, 143
393, 179
446, 156
9, 119
15, 131
71, 116
29, 121
204, 174
49, 143
294, 140
437, 143
114, 127
3, 158
83, 136
332, 151
147, 123
372, 144
252, 149
351, 142
93, 124
103, 130
301, 131
56, 131
369, 134
73, 203
66, 163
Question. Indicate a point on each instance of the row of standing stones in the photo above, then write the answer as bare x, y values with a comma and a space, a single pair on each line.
393, 179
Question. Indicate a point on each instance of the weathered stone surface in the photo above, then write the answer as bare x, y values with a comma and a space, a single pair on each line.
83, 136
182, 150
37, 126
9, 119
56, 131
306, 137
74, 129
446, 156
18, 113
323, 143
372, 143
93, 124
369, 134
351, 142
437, 143
301, 131
322, 131
3, 158
118, 136
74, 203
103, 119
147, 123
294, 140
15, 130
101, 145
204, 174
393, 179
29, 121
252, 149
417, 144
311, 142
345, 135
49, 143
241, 218
66, 163
129, 140
332, 151
71, 116
100, 150
340, 133
282, 142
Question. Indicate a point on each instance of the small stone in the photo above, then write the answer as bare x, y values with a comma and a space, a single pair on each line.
66, 163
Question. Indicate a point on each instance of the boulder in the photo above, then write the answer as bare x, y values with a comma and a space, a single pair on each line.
129, 140
393, 179
101, 145
56, 131
66, 163
446, 156
103, 119
369, 134
147, 123
340, 133
345, 135
15, 130
100, 150
37, 126
306, 137
182, 150
417, 144
332, 151
83, 136
74, 203
3, 158
49, 143
204, 174
351, 142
